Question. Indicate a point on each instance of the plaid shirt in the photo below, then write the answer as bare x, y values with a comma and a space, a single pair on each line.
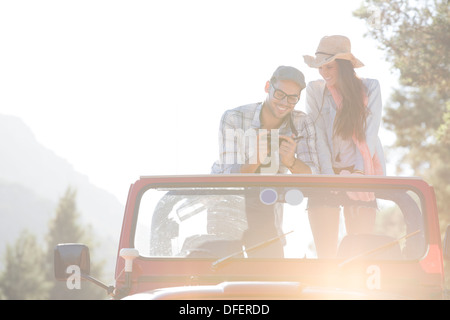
238, 128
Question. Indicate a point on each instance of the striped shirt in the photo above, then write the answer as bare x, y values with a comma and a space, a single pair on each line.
237, 140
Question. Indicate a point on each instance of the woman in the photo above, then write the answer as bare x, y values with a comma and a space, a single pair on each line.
347, 115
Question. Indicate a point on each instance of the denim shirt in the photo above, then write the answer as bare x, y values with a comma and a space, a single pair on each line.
322, 109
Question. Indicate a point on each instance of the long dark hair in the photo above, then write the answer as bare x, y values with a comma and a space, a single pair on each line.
351, 118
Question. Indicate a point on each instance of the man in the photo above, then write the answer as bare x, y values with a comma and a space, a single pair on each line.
269, 137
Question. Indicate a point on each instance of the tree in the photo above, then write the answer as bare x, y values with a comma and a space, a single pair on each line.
65, 228
29, 270
444, 129
415, 35
23, 277
416, 38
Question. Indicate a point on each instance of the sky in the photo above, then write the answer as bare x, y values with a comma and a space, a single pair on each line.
123, 89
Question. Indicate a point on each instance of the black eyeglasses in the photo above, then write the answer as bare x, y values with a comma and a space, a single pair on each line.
280, 95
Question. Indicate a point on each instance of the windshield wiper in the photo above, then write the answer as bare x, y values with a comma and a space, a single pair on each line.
221, 261
383, 247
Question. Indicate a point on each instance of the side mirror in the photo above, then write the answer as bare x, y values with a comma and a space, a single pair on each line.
446, 245
70, 254
75, 254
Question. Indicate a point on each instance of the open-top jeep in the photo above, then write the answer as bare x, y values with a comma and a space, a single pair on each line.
249, 237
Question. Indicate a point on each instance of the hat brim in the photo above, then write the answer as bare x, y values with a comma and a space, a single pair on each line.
319, 60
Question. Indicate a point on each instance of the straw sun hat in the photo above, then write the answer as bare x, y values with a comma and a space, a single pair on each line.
331, 48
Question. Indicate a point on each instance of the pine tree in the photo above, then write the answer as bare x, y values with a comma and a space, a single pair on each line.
24, 276
65, 228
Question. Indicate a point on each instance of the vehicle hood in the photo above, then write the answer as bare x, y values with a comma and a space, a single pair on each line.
260, 290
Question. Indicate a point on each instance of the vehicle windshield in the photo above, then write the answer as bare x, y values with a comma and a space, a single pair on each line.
216, 221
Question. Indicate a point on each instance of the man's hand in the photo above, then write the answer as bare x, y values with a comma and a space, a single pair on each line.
263, 147
287, 150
